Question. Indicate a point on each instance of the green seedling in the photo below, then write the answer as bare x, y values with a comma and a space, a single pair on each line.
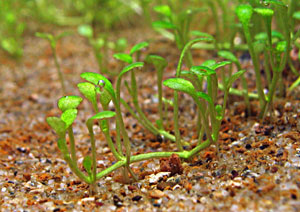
179, 24
12, 28
99, 45
53, 42
244, 13
231, 57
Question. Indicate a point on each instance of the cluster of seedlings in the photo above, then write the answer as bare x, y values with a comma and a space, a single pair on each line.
202, 83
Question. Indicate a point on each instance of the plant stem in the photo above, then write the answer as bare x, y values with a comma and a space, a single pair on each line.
60, 75
72, 144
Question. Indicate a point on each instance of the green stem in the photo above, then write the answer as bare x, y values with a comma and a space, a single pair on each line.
72, 144
60, 75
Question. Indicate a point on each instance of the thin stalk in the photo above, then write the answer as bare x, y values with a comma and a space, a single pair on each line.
237, 92
60, 75
260, 92
72, 144
93, 147
152, 155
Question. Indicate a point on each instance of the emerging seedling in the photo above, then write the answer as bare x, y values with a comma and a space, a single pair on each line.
53, 42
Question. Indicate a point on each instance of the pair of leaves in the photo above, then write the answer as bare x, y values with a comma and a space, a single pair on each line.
127, 58
51, 38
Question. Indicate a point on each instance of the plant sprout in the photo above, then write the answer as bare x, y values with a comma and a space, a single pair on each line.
53, 42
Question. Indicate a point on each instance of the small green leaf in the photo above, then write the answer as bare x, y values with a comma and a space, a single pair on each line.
98, 80
130, 67
105, 98
244, 13
85, 30
296, 15
88, 90
204, 96
276, 34
46, 36
202, 34
274, 2
228, 56
281, 46
182, 85
62, 146
219, 111
58, 125
87, 164
68, 116
123, 57
99, 116
138, 47
202, 70
208, 63
159, 62
69, 102
233, 78
264, 11
163, 9
163, 24
220, 64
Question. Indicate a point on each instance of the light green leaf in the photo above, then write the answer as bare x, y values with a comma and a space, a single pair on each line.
228, 56
123, 57
208, 63
281, 46
163, 9
58, 125
99, 80
85, 30
296, 15
220, 64
130, 67
138, 47
202, 70
182, 85
88, 90
69, 116
202, 34
264, 11
244, 13
204, 96
219, 112
99, 116
69, 102
163, 24
46, 36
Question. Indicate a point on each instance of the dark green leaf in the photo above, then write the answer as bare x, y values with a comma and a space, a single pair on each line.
204, 96
58, 125
87, 164
138, 47
62, 146
69, 102
233, 78
68, 116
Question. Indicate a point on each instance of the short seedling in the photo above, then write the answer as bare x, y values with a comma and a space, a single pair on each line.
53, 42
